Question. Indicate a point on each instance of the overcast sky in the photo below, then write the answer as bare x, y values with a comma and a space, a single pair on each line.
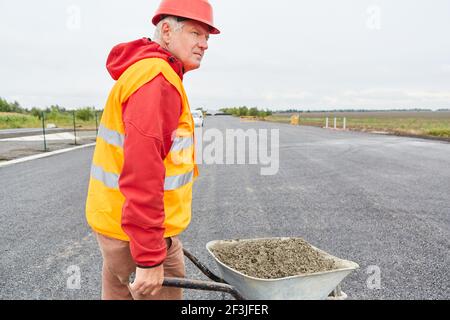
320, 54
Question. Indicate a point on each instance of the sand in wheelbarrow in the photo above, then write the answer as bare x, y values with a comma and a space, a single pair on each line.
272, 258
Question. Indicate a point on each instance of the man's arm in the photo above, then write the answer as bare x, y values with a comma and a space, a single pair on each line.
150, 116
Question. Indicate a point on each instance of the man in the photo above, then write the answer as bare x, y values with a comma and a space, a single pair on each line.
140, 191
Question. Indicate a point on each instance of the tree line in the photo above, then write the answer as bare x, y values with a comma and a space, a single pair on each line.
53, 112
245, 111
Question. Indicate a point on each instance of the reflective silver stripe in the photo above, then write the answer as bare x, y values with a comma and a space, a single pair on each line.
181, 143
111, 136
175, 182
110, 180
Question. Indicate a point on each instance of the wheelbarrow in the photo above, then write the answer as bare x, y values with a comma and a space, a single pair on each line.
313, 286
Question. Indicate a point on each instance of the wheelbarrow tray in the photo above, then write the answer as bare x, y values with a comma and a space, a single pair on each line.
312, 286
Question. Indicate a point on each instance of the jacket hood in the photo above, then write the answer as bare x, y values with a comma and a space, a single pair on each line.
125, 55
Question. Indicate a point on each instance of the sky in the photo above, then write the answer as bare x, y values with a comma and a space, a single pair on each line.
284, 54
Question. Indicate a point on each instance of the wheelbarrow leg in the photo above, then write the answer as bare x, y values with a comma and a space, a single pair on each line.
337, 294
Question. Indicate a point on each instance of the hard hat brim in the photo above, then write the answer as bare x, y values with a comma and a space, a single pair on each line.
213, 30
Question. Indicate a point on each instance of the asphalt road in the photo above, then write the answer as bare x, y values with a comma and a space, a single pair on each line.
381, 201
23, 132
27, 143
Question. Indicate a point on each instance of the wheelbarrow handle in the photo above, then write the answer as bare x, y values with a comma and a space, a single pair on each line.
197, 285
217, 283
202, 285
202, 267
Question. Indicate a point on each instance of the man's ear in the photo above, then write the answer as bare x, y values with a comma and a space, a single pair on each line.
166, 33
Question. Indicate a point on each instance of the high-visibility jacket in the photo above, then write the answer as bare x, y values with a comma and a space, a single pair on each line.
105, 201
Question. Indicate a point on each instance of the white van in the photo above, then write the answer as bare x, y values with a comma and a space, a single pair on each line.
199, 121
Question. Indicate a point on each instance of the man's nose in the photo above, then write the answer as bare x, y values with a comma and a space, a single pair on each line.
203, 44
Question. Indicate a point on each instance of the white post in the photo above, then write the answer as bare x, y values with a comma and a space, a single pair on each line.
335, 123
345, 123
326, 123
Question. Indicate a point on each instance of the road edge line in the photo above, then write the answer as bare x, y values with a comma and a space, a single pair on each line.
44, 155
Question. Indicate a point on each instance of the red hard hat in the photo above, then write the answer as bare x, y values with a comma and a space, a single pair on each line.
199, 10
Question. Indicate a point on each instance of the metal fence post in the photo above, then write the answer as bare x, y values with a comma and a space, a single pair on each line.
335, 123
326, 123
345, 123
96, 122
74, 128
43, 130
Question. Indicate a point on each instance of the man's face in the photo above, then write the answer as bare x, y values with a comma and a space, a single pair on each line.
189, 44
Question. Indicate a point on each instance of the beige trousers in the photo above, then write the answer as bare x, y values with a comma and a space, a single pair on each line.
118, 265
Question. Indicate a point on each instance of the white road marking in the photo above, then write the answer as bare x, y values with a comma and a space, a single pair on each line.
44, 155
48, 137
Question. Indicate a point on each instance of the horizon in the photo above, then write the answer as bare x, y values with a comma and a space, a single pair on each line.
285, 110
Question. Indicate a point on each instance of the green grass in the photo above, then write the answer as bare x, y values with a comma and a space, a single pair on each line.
281, 119
444, 133
428, 124
17, 120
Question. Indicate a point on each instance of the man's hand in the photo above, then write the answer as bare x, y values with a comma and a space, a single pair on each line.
148, 281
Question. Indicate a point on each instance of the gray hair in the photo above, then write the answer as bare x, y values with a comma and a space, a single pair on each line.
176, 24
